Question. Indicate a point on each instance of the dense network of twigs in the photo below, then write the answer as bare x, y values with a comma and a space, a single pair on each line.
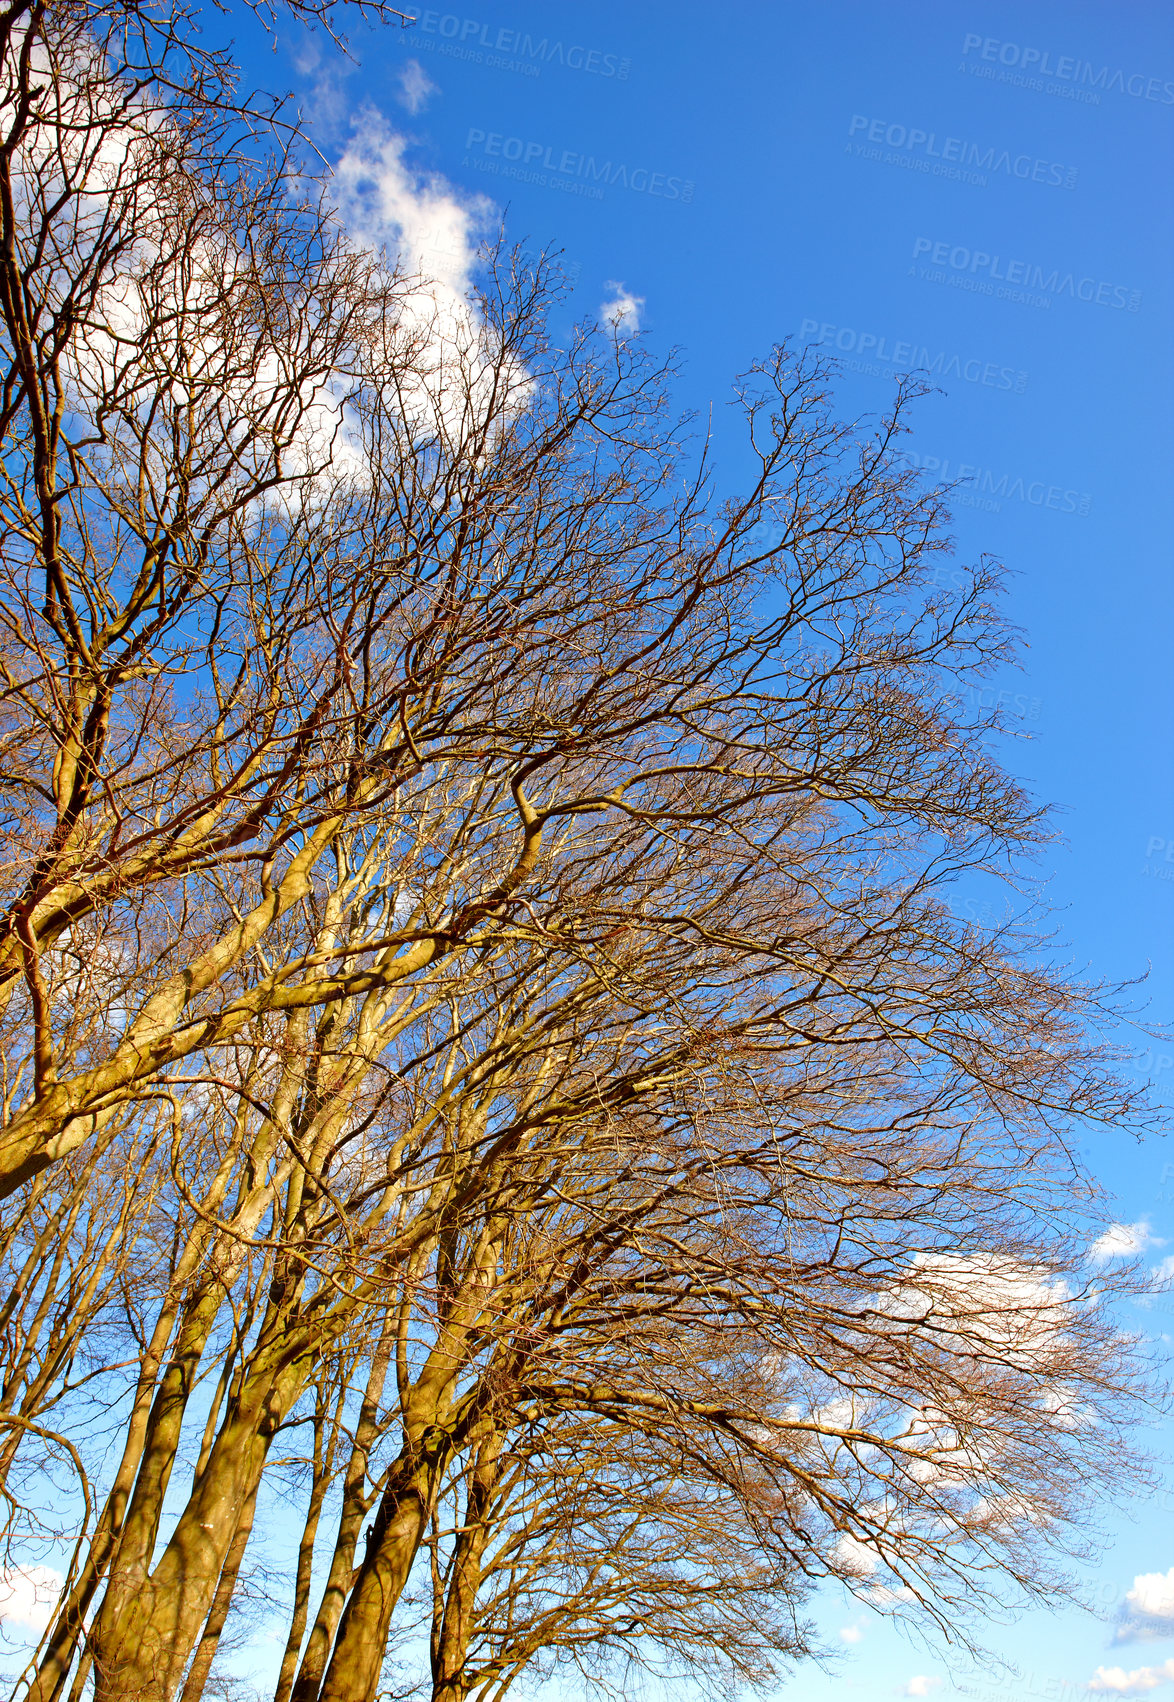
502, 1129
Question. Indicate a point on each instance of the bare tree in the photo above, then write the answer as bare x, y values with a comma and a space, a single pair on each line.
182, 338
478, 962
587, 1545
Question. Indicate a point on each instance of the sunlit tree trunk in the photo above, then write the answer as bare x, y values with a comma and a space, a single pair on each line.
144, 1636
197, 1677
393, 1542
451, 1649
356, 1504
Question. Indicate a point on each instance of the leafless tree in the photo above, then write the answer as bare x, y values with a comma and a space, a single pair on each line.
478, 962
587, 1545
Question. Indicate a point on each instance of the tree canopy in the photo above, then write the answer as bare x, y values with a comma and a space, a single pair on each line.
492, 1075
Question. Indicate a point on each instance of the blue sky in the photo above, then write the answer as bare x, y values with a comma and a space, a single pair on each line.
984, 187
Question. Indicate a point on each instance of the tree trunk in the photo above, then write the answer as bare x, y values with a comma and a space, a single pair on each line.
392, 1545
323, 1460
452, 1649
355, 1507
201, 1665
142, 1641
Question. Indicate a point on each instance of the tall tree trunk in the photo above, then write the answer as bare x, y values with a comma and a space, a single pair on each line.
142, 1641
53, 1672
452, 1647
356, 1504
392, 1545
323, 1460
209, 1642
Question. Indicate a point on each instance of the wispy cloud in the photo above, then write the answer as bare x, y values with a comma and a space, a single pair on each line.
418, 216
855, 1558
1115, 1681
326, 101
28, 1595
415, 86
434, 231
622, 310
921, 1684
1123, 1241
1148, 1609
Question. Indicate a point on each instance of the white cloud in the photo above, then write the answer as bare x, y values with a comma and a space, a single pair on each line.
1123, 1241
982, 1302
921, 1684
623, 310
885, 1596
415, 87
855, 1558
28, 1595
837, 1415
1148, 1609
1153, 1594
851, 1633
327, 103
107, 158
1115, 1681
434, 232
417, 216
